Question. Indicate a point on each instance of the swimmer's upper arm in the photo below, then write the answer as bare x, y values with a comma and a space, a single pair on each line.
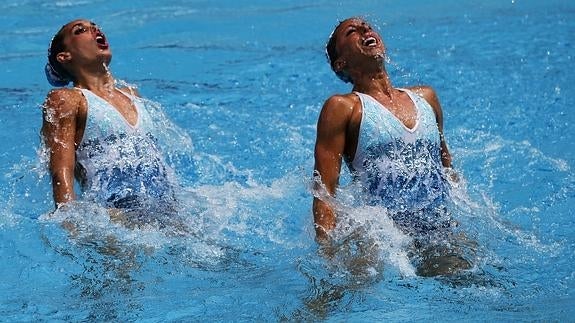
59, 117
58, 132
329, 148
428, 93
331, 139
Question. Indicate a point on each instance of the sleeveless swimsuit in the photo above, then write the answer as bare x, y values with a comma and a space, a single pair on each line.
120, 165
400, 168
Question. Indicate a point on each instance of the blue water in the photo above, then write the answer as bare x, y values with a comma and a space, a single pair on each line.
242, 83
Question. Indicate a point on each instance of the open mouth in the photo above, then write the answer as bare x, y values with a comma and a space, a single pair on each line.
101, 41
370, 42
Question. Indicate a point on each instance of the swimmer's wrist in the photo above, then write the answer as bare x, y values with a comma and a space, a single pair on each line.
451, 173
63, 206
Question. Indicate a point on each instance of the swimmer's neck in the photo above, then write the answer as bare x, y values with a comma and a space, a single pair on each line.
374, 84
94, 78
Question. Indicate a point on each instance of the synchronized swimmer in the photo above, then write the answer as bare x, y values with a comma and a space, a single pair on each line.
98, 133
390, 138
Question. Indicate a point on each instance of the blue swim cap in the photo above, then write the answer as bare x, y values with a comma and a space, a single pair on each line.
53, 77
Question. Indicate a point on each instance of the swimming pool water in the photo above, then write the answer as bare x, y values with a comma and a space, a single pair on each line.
242, 83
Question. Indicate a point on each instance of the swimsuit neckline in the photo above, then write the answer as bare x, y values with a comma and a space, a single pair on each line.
132, 126
418, 116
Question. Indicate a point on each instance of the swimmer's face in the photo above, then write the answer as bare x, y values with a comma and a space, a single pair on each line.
84, 42
355, 37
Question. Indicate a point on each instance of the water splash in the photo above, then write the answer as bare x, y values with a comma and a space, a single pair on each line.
498, 172
365, 237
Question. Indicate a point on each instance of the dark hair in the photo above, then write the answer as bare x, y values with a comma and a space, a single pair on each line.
55, 72
332, 54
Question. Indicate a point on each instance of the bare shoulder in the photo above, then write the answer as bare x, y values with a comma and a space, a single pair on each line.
131, 90
426, 92
342, 98
339, 106
63, 101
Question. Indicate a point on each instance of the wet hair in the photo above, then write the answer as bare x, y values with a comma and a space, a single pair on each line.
332, 55
55, 72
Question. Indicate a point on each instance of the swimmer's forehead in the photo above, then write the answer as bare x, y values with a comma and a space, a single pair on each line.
355, 21
78, 22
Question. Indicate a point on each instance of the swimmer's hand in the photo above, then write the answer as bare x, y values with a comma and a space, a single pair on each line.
115, 214
66, 224
451, 174
327, 246
328, 250
118, 216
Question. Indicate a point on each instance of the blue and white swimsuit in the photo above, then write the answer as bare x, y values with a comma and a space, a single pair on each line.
400, 168
120, 165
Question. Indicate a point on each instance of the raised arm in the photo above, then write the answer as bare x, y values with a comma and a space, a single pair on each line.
59, 131
329, 148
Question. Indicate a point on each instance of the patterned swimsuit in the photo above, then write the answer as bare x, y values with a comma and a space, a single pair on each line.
400, 168
120, 164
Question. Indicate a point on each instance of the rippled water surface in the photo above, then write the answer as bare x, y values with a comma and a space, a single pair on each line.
241, 84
